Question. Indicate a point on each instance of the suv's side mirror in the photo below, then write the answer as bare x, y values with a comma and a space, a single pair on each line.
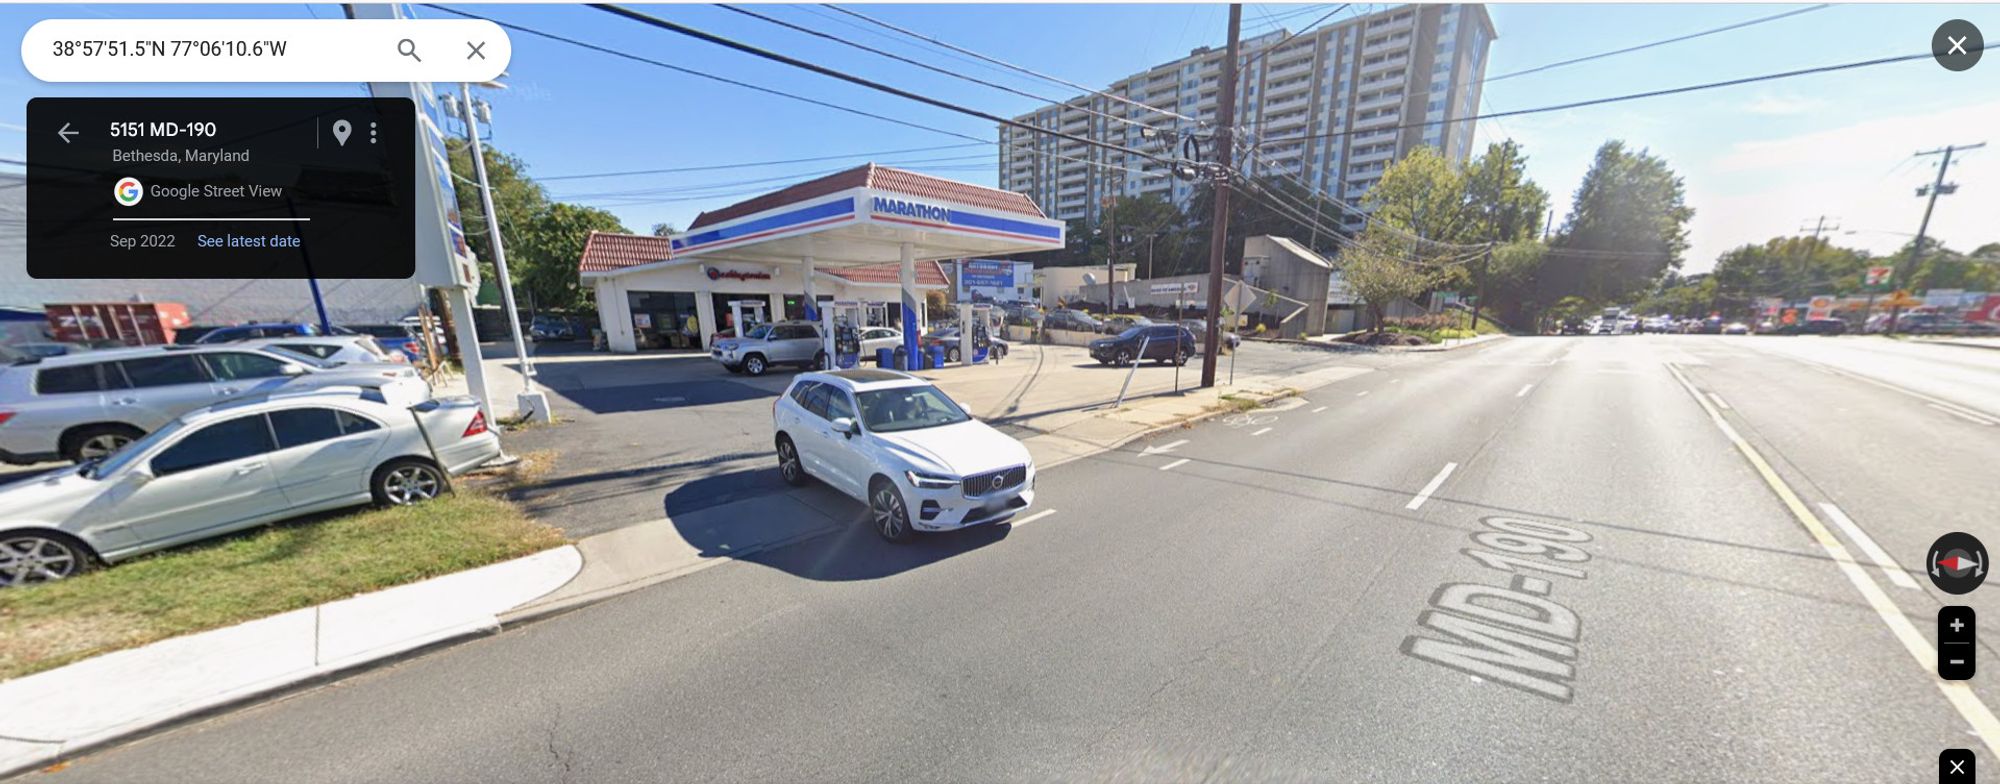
846, 426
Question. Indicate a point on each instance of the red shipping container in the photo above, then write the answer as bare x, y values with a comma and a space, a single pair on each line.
130, 323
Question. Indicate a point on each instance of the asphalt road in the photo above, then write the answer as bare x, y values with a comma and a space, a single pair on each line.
1541, 559
636, 429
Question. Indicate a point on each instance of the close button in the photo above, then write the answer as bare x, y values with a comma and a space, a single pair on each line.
1957, 45
475, 47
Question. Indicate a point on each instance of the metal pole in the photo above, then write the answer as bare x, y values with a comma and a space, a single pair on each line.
1239, 319
1143, 343
493, 235
1218, 242
1917, 247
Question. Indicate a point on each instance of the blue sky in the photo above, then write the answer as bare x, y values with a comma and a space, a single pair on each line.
1758, 159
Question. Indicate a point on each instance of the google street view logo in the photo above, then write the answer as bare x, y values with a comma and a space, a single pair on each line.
128, 191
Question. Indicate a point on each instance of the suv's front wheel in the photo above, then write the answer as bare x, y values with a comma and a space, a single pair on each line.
755, 365
886, 508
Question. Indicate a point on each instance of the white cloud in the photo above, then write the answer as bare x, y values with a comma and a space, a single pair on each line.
1859, 174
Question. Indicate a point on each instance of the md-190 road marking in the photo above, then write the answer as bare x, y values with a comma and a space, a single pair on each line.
1515, 636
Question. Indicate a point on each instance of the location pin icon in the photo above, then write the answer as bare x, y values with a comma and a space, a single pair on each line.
340, 131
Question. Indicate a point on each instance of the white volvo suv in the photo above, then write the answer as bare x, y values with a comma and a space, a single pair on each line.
897, 443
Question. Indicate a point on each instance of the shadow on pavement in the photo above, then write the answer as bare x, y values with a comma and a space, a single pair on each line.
649, 397
730, 513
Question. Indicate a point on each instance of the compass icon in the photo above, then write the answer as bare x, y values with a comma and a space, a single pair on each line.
1957, 563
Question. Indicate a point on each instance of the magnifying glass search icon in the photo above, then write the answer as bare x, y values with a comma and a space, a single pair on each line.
408, 48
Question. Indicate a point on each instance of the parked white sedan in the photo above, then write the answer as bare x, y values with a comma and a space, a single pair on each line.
899, 444
232, 466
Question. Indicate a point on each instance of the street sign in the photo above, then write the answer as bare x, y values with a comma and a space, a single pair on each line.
1879, 276
1821, 307
1187, 287
1902, 299
1771, 306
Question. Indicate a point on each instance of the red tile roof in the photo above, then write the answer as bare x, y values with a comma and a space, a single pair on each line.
922, 186
929, 273
605, 251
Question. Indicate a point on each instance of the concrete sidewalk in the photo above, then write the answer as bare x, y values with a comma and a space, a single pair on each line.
60, 713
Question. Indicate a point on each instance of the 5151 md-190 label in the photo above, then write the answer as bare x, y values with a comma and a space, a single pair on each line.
221, 188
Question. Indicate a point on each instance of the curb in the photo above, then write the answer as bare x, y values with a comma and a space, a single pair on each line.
1337, 346
229, 701
1962, 344
262, 638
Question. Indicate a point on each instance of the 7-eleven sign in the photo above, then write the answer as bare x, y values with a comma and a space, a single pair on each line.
1879, 276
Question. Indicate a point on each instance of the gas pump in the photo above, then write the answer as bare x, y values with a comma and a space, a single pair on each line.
746, 313
840, 332
975, 332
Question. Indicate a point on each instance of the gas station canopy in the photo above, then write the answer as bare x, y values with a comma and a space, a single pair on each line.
871, 214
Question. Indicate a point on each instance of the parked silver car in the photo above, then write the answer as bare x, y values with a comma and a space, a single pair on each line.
235, 465
777, 343
79, 406
340, 349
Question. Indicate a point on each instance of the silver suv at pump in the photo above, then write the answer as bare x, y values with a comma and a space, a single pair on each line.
87, 405
777, 343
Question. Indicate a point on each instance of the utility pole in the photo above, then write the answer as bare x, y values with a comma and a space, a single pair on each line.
1218, 243
1937, 188
533, 404
1110, 205
1819, 227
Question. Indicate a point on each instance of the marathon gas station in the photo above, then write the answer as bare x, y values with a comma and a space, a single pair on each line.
855, 248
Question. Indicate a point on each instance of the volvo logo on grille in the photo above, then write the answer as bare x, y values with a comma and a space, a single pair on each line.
999, 480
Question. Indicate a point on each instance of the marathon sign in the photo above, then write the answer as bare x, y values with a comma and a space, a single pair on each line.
910, 209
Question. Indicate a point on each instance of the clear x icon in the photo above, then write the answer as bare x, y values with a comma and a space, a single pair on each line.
1957, 44
476, 50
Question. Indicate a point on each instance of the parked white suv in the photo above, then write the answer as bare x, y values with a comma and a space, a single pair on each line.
84, 405
235, 465
899, 444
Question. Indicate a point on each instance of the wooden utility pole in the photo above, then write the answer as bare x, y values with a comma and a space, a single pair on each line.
1936, 189
1218, 244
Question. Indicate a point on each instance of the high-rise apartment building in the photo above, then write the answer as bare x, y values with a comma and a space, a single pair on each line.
1325, 107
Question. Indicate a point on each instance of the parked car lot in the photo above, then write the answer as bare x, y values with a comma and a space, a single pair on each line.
1071, 320
253, 331
393, 337
234, 465
1161, 343
82, 406
898, 444
778, 343
948, 337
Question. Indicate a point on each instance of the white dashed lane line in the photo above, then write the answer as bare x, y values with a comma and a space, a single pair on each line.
1317, 410
1362, 393
1261, 432
1173, 465
1718, 401
1874, 551
1524, 390
1033, 517
1436, 482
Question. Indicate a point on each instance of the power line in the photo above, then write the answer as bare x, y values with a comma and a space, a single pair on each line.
762, 89
1008, 65
1676, 39
852, 79
757, 163
774, 178
1613, 99
915, 62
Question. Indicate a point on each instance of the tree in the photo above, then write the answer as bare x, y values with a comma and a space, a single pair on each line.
1423, 194
1505, 205
1944, 268
544, 254
1790, 268
664, 230
1627, 225
1382, 267
516, 198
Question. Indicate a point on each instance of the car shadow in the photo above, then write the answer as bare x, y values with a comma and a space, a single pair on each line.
785, 528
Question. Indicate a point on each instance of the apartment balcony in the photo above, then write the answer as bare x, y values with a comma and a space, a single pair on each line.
1385, 118
1297, 67
1383, 101
1386, 63
1376, 155
1371, 137
1390, 79
1387, 26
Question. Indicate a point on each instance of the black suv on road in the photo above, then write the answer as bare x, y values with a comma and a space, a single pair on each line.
1160, 342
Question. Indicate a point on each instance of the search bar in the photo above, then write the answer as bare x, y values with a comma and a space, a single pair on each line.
259, 50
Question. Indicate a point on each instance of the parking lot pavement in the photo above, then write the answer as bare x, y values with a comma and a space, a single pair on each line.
633, 428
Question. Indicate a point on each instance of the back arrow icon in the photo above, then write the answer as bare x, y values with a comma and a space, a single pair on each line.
65, 133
